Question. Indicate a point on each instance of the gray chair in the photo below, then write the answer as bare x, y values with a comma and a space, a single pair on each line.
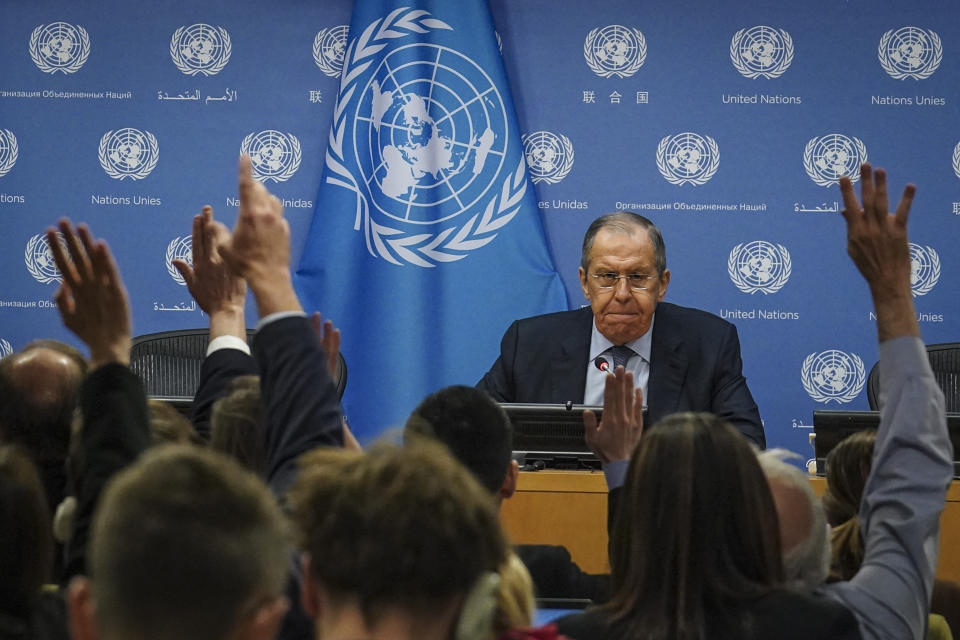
169, 362
945, 362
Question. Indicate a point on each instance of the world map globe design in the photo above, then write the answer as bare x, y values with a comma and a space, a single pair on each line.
834, 374
759, 264
179, 249
59, 44
909, 49
545, 154
271, 153
761, 48
835, 156
615, 47
333, 44
128, 150
201, 46
39, 258
688, 155
430, 134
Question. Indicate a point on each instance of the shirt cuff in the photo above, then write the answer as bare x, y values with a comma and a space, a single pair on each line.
616, 473
279, 315
228, 342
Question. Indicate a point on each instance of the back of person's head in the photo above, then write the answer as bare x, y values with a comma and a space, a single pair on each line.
401, 530
185, 545
474, 427
697, 533
848, 467
515, 601
169, 426
235, 425
26, 544
804, 538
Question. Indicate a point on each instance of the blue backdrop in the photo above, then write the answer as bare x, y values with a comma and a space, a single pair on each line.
720, 121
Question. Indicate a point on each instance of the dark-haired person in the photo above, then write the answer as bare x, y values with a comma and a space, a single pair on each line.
683, 359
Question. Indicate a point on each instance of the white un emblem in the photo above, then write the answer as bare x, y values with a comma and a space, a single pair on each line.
200, 48
39, 258
5, 349
833, 376
910, 52
761, 52
956, 160
179, 249
615, 51
830, 157
274, 155
688, 158
328, 48
59, 47
924, 269
128, 153
549, 156
759, 266
8, 151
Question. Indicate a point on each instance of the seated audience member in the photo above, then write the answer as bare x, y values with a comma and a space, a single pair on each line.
235, 425
27, 610
401, 543
169, 426
903, 497
479, 434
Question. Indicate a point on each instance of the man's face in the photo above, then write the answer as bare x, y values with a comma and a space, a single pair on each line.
621, 313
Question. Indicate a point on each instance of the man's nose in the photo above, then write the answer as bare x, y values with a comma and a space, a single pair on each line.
621, 290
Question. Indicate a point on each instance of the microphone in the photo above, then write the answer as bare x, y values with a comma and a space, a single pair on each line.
601, 363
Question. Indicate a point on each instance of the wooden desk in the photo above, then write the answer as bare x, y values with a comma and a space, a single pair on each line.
569, 508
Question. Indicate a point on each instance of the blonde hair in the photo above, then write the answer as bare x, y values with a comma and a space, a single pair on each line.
515, 602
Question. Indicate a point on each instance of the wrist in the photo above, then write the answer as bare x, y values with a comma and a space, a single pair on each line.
229, 321
116, 352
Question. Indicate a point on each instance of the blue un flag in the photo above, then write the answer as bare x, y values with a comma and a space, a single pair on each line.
426, 241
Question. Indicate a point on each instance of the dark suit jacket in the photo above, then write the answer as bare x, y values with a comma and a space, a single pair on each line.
216, 372
556, 575
695, 365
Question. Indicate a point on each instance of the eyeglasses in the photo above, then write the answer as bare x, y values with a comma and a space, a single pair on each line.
636, 281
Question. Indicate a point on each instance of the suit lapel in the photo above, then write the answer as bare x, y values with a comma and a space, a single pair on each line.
568, 369
668, 365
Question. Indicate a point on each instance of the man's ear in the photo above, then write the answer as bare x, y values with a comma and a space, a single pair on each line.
309, 598
81, 614
509, 486
664, 283
583, 282
265, 621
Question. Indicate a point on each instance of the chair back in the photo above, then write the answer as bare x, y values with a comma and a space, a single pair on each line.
945, 362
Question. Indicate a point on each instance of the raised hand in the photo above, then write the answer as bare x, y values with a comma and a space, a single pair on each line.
329, 338
91, 299
618, 433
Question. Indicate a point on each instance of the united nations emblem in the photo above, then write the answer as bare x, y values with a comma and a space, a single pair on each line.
688, 158
179, 249
200, 48
39, 258
910, 52
59, 47
5, 349
924, 269
426, 130
759, 266
956, 160
615, 50
328, 48
128, 153
9, 151
274, 155
549, 156
833, 376
830, 157
761, 52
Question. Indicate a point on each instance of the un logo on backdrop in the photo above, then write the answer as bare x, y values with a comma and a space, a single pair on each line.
179, 249
328, 48
688, 158
128, 153
833, 376
8, 151
924, 269
759, 266
39, 259
910, 52
274, 155
615, 51
761, 52
828, 158
956, 160
5, 349
59, 47
549, 156
200, 48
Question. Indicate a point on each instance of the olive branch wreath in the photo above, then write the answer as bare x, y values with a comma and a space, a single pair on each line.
774, 72
707, 172
209, 71
897, 74
70, 68
771, 287
815, 393
814, 174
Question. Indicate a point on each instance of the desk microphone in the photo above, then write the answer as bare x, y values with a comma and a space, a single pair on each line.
601, 363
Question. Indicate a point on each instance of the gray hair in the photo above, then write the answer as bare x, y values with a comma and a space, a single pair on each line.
806, 566
625, 222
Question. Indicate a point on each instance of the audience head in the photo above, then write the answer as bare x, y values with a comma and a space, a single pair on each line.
185, 544
848, 467
235, 426
475, 429
169, 426
697, 529
26, 544
804, 539
396, 533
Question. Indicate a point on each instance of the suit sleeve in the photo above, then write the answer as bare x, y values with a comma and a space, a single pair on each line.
731, 398
216, 372
498, 382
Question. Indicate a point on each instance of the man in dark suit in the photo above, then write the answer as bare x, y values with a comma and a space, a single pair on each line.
683, 359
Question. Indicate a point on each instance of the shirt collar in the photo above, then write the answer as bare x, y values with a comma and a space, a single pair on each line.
641, 346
